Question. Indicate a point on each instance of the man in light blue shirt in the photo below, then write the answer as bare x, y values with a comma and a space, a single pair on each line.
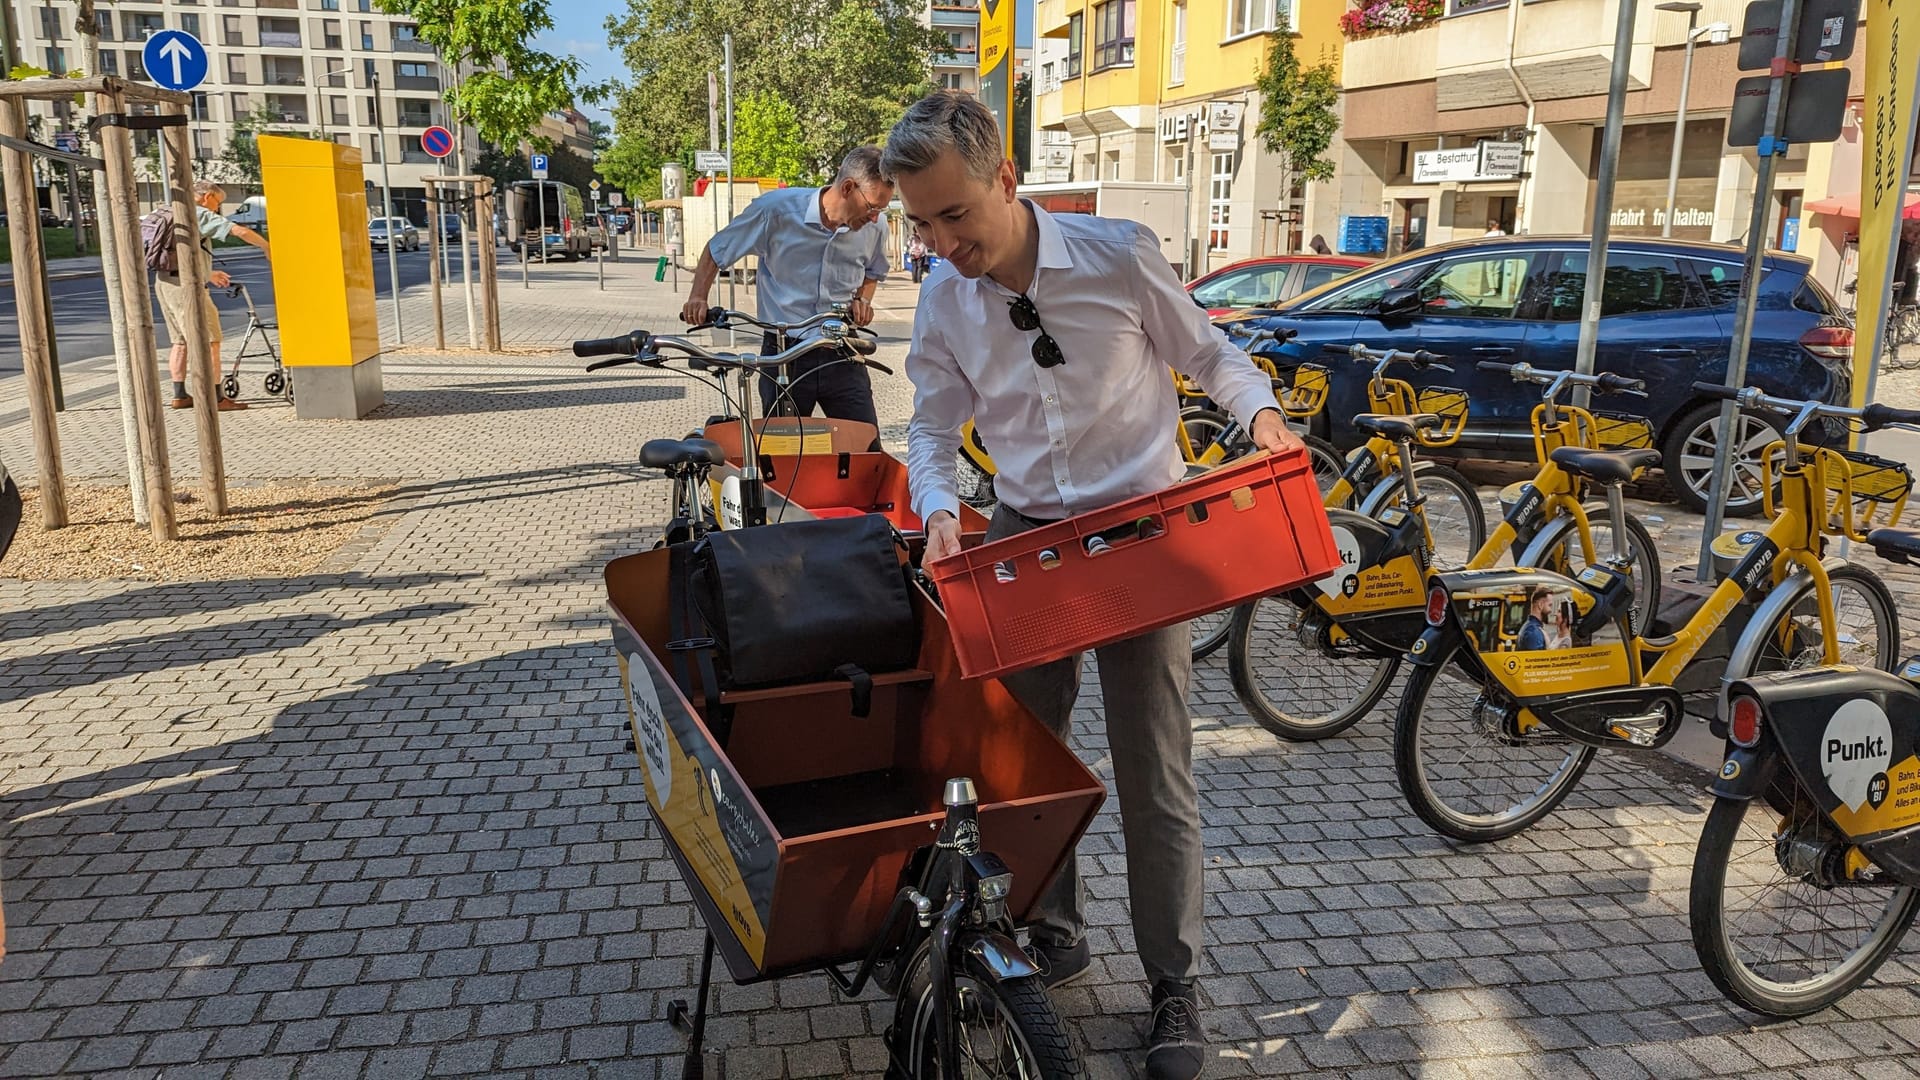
815, 251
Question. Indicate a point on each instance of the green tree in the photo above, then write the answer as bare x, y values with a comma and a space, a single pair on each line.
847, 68
510, 84
505, 166
1297, 117
1023, 123
768, 141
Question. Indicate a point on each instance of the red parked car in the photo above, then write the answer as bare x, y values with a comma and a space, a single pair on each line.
1261, 282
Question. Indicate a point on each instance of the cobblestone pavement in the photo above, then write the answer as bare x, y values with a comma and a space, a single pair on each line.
382, 822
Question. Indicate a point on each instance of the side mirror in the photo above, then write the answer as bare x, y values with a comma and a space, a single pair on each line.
1398, 302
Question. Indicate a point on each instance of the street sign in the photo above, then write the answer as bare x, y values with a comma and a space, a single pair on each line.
594, 184
67, 140
1816, 108
437, 141
1827, 31
175, 60
539, 163
616, 198
709, 161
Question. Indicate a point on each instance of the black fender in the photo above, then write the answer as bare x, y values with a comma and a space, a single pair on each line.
1437, 643
995, 956
1746, 773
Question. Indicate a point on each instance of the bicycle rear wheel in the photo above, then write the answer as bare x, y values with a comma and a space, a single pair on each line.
1296, 690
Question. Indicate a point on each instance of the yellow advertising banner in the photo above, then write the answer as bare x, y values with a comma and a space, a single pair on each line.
996, 64
1892, 31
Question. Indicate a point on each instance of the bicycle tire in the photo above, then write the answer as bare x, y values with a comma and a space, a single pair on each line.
1646, 562
1249, 664
1440, 484
1419, 774
1210, 631
1328, 462
1044, 1043
1714, 938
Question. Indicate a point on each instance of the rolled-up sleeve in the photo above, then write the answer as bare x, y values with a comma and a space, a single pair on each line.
743, 236
942, 403
877, 262
1187, 341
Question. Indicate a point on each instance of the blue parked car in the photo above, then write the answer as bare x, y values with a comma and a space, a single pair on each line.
1667, 318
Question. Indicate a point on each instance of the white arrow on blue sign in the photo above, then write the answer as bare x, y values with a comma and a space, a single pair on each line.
539, 163
175, 60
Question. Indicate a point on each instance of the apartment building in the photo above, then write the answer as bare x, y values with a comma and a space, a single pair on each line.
1135, 90
1529, 80
318, 66
957, 67
568, 129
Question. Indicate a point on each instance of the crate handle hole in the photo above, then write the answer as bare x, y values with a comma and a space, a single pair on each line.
1005, 572
1196, 513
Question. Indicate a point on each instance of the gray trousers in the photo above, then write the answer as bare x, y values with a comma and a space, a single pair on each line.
1150, 739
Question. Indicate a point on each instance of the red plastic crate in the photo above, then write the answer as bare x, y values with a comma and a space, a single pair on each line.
1244, 530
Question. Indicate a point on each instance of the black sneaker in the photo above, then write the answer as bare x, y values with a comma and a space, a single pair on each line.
1061, 964
1176, 1043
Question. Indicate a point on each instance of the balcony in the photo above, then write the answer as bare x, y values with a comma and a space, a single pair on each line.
411, 45
279, 39
1560, 50
416, 82
284, 5
956, 16
417, 157
283, 75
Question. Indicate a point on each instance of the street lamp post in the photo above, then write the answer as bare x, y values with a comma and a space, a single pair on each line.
319, 102
1719, 33
386, 183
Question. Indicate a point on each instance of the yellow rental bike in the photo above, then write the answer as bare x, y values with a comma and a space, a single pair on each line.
1523, 673
1311, 663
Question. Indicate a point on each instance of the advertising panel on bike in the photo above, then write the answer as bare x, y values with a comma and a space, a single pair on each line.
1859, 756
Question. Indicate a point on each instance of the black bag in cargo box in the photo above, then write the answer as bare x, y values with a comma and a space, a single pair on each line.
805, 601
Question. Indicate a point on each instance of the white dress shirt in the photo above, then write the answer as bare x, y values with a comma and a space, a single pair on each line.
805, 267
1090, 432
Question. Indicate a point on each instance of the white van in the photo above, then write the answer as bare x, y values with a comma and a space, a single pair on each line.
252, 213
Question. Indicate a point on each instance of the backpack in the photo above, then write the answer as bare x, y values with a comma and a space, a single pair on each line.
156, 236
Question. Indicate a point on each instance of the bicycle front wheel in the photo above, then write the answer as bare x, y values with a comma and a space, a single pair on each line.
1005, 1029
1296, 690
1769, 936
1455, 518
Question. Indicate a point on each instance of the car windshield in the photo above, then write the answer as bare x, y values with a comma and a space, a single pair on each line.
1358, 297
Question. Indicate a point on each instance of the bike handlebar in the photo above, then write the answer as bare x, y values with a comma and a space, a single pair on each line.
860, 347
627, 344
1419, 359
1274, 333
719, 318
1872, 417
1604, 381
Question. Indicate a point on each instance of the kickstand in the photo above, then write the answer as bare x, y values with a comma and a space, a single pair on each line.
692, 1065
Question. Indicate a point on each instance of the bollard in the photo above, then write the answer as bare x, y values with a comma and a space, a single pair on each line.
600, 266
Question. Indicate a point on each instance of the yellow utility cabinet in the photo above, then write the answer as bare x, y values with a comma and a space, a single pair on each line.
322, 276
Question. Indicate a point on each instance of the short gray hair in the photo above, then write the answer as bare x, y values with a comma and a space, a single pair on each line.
862, 166
947, 120
204, 188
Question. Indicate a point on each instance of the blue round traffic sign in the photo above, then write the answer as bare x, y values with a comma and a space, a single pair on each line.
175, 60
437, 141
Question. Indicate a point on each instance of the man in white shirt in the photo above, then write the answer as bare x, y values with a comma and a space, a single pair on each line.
1055, 335
815, 251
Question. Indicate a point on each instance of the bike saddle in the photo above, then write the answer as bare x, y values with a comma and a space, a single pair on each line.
1605, 466
1397, 428
667, 453
1895, 545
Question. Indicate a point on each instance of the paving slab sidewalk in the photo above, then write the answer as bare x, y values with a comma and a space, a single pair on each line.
383, 821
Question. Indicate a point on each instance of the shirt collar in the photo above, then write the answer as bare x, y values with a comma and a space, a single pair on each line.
1052, 253
815, 215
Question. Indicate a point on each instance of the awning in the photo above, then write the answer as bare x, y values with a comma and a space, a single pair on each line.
1848, 206
663, 204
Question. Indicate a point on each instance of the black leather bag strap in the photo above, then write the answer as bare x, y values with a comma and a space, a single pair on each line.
689, 638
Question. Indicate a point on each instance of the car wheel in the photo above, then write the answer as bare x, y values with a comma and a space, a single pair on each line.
1687, 458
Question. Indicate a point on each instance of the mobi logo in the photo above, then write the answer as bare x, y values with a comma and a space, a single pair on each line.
1348, 545
1855, 750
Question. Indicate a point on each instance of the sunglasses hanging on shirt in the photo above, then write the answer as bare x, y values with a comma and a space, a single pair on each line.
1046, 351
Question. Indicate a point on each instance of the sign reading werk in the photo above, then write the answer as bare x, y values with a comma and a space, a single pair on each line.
1483, 161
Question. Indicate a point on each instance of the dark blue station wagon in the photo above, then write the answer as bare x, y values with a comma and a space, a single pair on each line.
1667, 318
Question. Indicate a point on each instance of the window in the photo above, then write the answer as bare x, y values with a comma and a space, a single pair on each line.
950, 80
237, 70
1251, 287
1113, 164
329, 5
103, 20
337, 108
1721, 280
1177, 66
1177, 164
1319, 275
1073, 45
239, 104
202, 144
1475, 286
330, 33
230, 30
1636, 283
109, 62
1461, 7
190, 22
57, 61
1219, 202
954, 39
366, 36
1113, 34
1259, 16
1362, 296
413, 71
200, 110
50, 24
372, 75
405, 32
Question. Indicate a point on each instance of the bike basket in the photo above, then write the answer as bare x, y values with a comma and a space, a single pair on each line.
1139, 565
792, 821
1308, 394
1622, 431
1450, 405
1879, 488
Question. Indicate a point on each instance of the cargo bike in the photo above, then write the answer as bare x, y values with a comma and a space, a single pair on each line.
894, 835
